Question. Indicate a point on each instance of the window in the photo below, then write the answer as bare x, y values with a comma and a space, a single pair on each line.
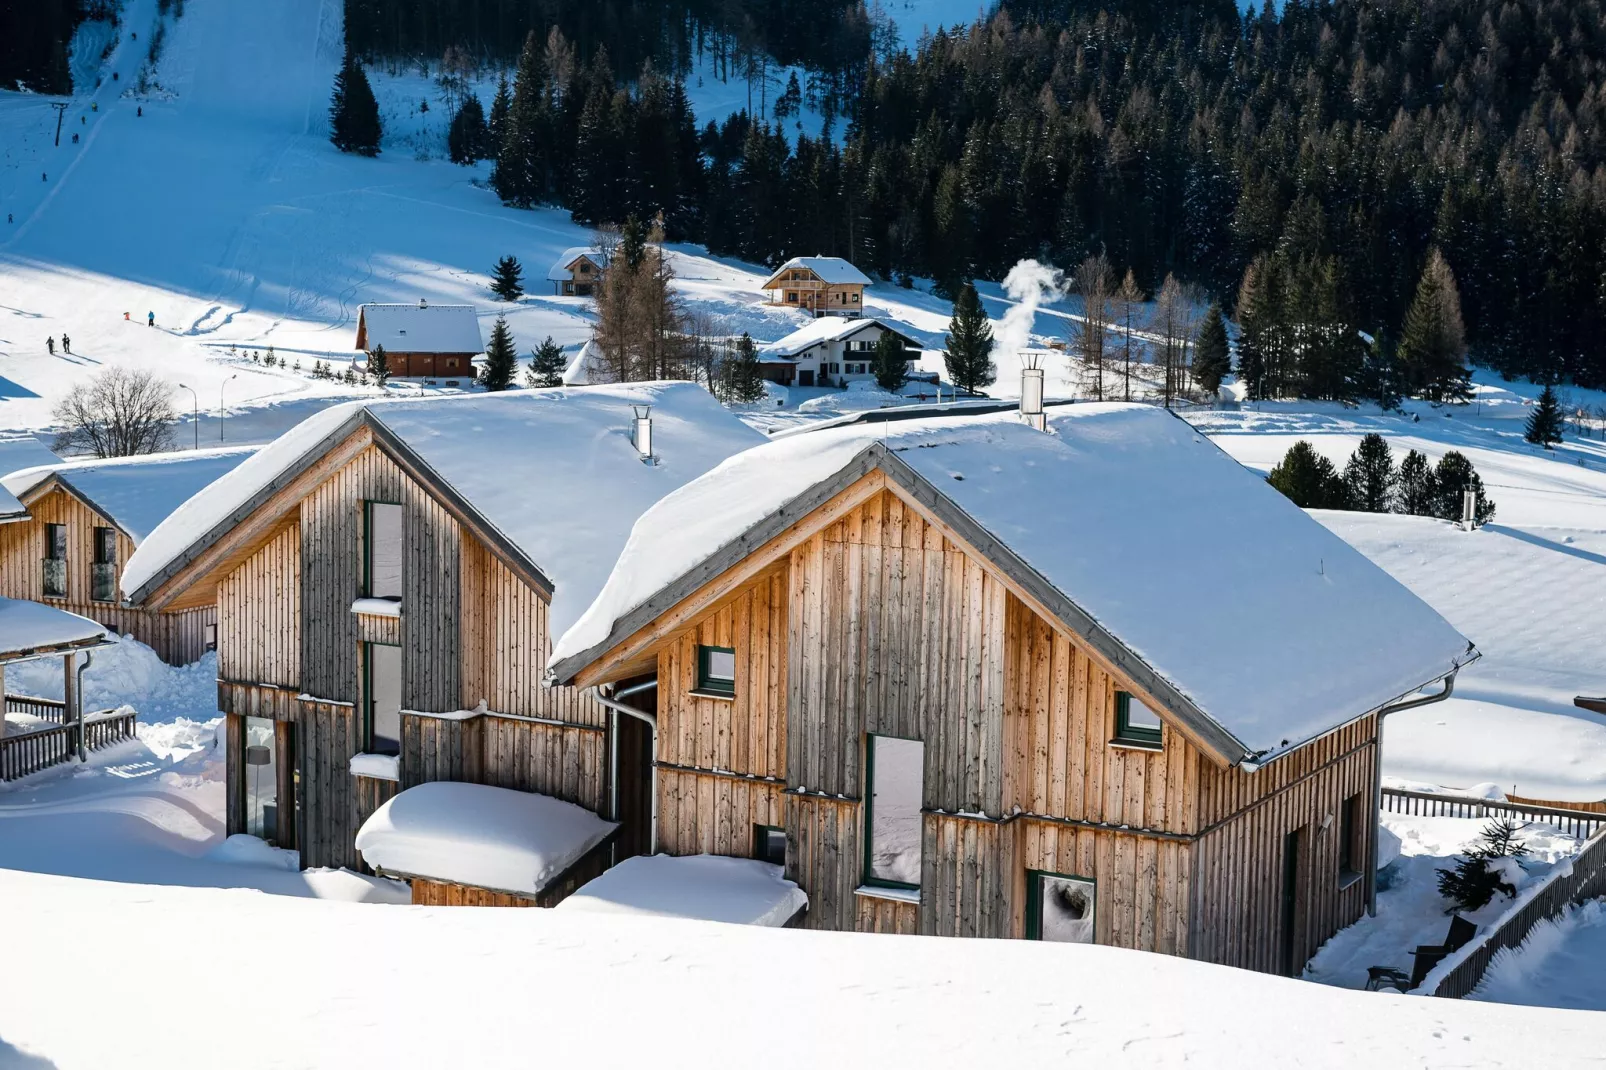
585, 268
260, 775
1351, 847
55, 561
769, 844
382, 699
1059, 907
103, 574
896, 776
791, 297
716, 670
853, 298
382, 544
211, 637
1135, 724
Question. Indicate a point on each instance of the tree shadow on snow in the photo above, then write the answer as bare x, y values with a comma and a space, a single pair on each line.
1547, 544
12, 1059
10, 389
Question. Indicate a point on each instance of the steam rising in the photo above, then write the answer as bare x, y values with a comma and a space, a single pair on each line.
1028, 284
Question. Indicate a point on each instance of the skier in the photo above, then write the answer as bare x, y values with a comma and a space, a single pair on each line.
139, 112
50, 344
125, 317
150, 319
10, 218
75, 139
94, 105
66, 344
43, 177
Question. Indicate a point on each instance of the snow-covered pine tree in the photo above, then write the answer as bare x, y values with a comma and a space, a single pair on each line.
969, 357
1416, 488
1433, 344
1473, 880
1370, 475
379, 365
501, 358
468, 139
546, 364
1308, 479
741, 382
1452, 475
507, 281
1544, 423
1211, 360
891, 362
353, 111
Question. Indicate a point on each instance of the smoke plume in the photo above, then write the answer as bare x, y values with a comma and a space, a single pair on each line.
1028, 284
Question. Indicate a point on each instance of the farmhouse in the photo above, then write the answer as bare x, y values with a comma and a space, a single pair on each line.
387, 576
829, 352
81, 521
964, 677
422, 340
578, 272
821, 285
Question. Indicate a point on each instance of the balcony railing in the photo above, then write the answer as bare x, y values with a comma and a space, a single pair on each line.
103, 582
54, 571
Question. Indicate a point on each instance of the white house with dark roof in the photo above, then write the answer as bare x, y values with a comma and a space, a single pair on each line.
820, 285
831, 351
422, 340
578, 272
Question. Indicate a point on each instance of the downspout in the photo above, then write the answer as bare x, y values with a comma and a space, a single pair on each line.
1377, 775
78, 695
616, 708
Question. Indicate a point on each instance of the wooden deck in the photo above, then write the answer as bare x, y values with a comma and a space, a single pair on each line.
28, 748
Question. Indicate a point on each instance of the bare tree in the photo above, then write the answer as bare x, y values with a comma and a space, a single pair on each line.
118, 413
1173, 322
1092, 280
1127, 300
641, 326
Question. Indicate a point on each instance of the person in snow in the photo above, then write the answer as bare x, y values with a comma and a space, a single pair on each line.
125, 317
94, 105
66, 343
75, 139
139, 112
150, 319
50, 344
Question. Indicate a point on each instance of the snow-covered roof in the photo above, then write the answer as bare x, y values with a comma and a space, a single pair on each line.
136, 493
830, 269
27, 628
830, 329
551, 473
476, 834
1249, 621
561, 270
741, 891
419, 328
585, 368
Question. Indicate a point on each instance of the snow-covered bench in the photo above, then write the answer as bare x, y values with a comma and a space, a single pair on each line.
743, 891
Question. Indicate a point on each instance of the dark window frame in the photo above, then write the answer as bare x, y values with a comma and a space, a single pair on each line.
1351, 843
55, 534
368, 544
709, 685
1034, 899
1128, 734
761, 839
368, 699
868, 877
103, 567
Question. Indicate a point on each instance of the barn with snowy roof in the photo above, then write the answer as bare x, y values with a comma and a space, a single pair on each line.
962, 676
818, 285
422, 340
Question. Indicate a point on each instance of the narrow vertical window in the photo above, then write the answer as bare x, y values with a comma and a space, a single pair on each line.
260, 774
1351, 846
54, 566
103, 574
382, 550
382, 698
892, 811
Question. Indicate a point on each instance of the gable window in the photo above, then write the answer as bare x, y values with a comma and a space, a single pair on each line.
896, 775
55, 561
1351, 847
716, 671
585, 268
1135, 724
1059, 907
382, 550
103, 575
382, 697
769, 844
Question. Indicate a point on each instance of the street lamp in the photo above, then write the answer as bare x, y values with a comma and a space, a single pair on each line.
221, 411
197, 417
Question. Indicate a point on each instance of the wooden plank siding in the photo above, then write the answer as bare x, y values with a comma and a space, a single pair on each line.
259, 614
178, 637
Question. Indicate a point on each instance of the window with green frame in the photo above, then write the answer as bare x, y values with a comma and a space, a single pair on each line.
1135, 724
1060, 907
895, 771
716, 670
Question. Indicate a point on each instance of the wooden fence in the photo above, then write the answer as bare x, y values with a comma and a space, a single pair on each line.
1584, 879
28, 751
48, 709
1427, 804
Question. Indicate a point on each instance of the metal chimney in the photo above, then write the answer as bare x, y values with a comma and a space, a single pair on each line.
1469, 507
641, 432
1031, 391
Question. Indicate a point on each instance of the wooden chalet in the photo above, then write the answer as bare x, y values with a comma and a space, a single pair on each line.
819, 285
77, 524
422, 340
386, 589
968, 678
578, 272
831, 351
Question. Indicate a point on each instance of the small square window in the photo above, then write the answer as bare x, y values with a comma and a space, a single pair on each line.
716, 670
1059, 907
1135, 723
769, 844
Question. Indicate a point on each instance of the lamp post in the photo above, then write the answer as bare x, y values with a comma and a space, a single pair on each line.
221, 411
197, 417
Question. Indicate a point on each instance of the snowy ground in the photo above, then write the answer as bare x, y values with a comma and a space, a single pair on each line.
1559, 965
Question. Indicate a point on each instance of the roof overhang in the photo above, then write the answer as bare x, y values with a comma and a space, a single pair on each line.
55, 480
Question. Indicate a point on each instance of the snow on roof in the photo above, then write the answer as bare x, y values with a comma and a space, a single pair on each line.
420, 328
29, 626
137, 493
585, 368
1259, 618
18, 452
559, 271
831, 269
553, 471
828, 329
476, 834
741, 891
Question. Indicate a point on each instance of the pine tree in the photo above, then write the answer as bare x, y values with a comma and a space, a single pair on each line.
1370, 476
1544, 423
633, 242
891, 362
1451, 477
547, 364
507, 281
1308, 479
1433, 344
353, 111
1417, 490
1381, 377
968, 359
1472, 882
500, 105
1211, 361
1253, 320
519, 178
741, 382
468, 139
501, 359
